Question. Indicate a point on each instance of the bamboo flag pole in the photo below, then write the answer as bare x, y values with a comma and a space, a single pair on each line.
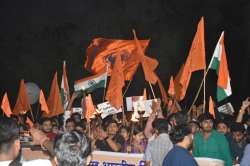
152, 89
127, 87
204, 92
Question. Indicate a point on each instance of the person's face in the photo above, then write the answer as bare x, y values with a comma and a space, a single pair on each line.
112, 129
238, 136
194, 127
207, 125
70, 126
124, 133
47, 126
139, 137
55, 129
222, 128
77, 118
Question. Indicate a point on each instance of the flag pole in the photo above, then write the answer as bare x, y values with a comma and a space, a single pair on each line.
198, 92
152, 89
204, 92
104, 90
127, 87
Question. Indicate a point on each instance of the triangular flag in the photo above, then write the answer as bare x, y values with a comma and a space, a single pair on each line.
54, 100
65, 87
114, 92
29, 122
6, 105
145, 94
171, 89
42, 101
148, 64
164, 96
211, 107
219, 63
196, 59
22, 103
90, 108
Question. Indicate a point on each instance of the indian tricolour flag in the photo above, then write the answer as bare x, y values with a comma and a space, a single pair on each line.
219, 63
65, 87
91, 83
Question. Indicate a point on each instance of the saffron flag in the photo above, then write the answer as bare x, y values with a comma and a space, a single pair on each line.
164, 96
54, 100
171, 88
219, 63
90, 108
22, 103
145, 94
196, 59
42, 101
211, 107
114, 92
6, 105
91, 83
102, 51
148, 64
65, 87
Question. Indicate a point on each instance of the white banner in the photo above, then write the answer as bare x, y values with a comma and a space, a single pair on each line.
106, 109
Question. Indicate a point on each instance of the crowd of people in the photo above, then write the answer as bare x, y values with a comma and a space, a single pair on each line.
165, 138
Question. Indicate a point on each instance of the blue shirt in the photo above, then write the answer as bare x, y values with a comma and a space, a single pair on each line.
179, 156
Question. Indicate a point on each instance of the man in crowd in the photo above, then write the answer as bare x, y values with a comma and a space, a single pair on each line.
182, 137
160, 145
10, 146
46, 127
210, 143
70, 125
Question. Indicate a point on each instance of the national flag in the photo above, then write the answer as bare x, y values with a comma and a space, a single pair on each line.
91, 83
211, 107
148, 64
101, 51
219, 63
54, 100
171, 88
6, 105
144, 94
42, 101
116, 83
22, 105
65, 87
90, 108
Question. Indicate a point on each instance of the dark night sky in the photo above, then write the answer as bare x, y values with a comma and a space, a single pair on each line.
37, 35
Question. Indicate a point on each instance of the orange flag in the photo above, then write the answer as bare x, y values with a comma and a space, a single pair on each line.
145, 94
42, 101
90, 108
6, 105
65, 87
29, 122
171, 89
54, 100
22, 103
211, 107
101, 50
148, 64
114, 92
164, 96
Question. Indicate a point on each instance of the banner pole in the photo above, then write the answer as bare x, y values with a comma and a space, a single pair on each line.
152, 89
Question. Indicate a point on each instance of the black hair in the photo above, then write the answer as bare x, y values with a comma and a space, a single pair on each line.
9, 132
44, 120
224, 122
179, 132
205, 116
70, 120
137, 129
161, 125
180, 118
237, 127
72, 149
108, 122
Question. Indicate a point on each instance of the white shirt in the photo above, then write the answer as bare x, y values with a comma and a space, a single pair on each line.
38, 162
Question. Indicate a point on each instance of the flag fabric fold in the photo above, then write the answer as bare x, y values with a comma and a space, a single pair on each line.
90, 108
116, 83
54, 101
42, 101
144, 94
219, 63
22, 105
91, 83
171, 88
211, 107
6, 105
102, 51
